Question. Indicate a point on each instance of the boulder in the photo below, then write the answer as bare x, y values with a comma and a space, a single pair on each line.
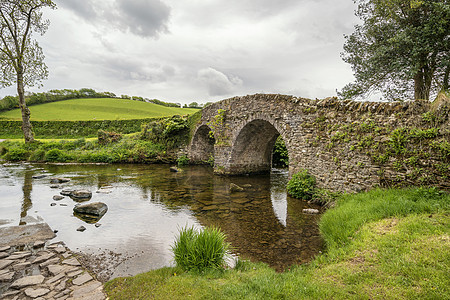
59, 180
97, 209
66, 192
81, 195
90, 213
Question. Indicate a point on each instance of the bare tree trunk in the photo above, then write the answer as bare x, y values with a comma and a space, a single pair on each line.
27, 128
446, 84
422, 85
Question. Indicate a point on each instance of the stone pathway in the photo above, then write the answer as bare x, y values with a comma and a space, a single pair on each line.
37, 271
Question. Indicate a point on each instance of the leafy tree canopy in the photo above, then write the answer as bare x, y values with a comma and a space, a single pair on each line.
402, 48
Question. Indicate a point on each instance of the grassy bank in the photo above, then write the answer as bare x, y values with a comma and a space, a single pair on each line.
384, 244
96, 109
156, 142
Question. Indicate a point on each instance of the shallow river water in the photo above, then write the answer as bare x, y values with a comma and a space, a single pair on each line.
147, 205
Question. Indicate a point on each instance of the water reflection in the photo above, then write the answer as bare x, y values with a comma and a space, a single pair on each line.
147, 205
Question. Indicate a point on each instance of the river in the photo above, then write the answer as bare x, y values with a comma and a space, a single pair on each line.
148, 204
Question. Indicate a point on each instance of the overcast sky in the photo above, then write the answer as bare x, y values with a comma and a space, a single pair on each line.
198, 50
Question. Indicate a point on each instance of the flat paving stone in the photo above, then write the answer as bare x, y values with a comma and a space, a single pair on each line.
60, 249
19, 255
21, 266
38, 244
55, 278
5, 248
27, 281
56, 269
79, 291
3, 255
5, 263
71, 262
25, 234
43, 258
52, 261
34, 293
7, 277
80, 280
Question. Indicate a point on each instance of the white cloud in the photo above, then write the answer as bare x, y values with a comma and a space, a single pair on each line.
217, 83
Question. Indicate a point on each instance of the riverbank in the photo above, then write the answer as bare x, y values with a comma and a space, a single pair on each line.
384, 244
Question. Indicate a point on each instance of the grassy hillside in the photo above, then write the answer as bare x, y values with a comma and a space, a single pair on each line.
96, 109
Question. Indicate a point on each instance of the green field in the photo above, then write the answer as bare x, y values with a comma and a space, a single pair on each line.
96, 109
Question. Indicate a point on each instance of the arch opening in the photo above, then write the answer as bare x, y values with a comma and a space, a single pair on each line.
202, 146
253, 148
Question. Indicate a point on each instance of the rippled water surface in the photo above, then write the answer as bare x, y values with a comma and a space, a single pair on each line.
147, 205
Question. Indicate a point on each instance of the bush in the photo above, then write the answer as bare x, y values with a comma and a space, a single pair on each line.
38, 155
56, 155
183, 160
17, 154
302, 185
200, 250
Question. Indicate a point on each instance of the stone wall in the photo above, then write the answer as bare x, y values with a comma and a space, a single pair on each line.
347, 145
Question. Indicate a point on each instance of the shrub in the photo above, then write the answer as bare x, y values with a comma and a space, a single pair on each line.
200, 250
38, 155
17, 154
183, 160
302, 185
56, 155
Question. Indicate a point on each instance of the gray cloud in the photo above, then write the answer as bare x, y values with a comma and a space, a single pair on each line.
83, 8
145, 18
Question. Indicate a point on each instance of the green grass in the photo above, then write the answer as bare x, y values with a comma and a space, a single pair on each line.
200, 250
390, 252
96, 109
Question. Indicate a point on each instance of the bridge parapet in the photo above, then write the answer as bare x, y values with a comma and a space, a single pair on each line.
347, 145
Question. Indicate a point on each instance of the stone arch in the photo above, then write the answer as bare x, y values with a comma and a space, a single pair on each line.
202, 145
253, 145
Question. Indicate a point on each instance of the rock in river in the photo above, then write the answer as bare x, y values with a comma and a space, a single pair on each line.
91, 212
59, 180
81, 194
235, 188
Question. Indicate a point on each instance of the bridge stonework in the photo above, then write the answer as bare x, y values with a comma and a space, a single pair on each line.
346, 145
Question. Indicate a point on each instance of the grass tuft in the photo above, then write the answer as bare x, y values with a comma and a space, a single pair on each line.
200, 250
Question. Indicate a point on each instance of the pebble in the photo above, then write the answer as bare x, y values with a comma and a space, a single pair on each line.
81, 228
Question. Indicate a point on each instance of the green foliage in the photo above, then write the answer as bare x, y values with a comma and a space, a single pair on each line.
218, 128
280, 155
71, 129
200, 250
183, 161
302, 185
56, 155
16, 154
398, 140
171, 132
105, 137
341, 224
400, 49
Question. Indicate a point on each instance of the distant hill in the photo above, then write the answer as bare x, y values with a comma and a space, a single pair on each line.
96, 109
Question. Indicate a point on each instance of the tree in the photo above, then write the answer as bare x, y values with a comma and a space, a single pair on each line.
21, 58
193, 105
401, 49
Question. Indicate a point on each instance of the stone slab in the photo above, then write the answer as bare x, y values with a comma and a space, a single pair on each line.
6, 277
26, 234
84, 290
34, 293
5, 263
72, 262
82, 279
27, 281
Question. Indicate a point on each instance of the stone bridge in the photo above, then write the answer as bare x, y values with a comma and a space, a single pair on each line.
347, 145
